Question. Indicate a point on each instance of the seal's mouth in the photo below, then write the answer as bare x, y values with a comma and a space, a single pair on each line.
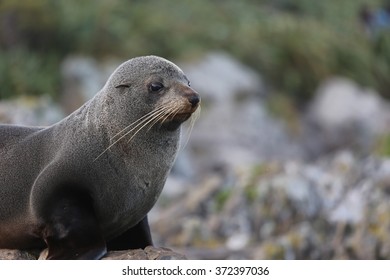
181, 108
185, 113
182, 117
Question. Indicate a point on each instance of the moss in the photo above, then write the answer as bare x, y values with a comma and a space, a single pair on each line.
251, 190
24, 73
251, 193
221, 198
273, 251
383, 145
283, 106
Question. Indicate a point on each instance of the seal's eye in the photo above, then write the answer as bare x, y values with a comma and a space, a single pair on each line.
123, 85
156, 87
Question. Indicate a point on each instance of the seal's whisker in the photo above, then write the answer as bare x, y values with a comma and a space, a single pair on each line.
193, 119
147, 120
138, 120
172, 113
157, 119
145, 124
155, 116
141, 123
169, 109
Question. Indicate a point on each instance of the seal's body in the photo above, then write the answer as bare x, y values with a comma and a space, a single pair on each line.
88, 182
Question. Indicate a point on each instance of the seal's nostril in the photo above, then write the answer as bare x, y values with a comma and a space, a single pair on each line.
194, 100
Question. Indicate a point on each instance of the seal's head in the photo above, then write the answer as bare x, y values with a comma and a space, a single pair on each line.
159, 88
146, 93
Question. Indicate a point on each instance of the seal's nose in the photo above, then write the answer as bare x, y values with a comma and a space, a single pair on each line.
194, 99
192, 96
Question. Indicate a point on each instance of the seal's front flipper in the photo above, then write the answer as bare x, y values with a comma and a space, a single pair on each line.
73, 232
137, 237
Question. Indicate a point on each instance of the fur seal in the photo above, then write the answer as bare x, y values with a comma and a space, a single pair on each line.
86, 183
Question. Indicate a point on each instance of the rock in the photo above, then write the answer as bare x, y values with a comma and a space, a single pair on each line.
150, 253
138, 254
238, 241
16, 255
334, 208
234, 128
82, 77
344, 115
182, 227
37, 111
221, 78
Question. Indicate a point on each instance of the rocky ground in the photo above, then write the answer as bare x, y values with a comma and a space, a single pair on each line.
250, 184
150, 253
337, 207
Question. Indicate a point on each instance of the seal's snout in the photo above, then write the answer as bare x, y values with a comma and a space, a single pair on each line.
194, 99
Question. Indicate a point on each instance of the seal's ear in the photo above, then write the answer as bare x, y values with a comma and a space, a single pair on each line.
123, 85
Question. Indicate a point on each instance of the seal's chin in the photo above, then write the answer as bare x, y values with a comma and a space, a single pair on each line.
182, 117
175, 122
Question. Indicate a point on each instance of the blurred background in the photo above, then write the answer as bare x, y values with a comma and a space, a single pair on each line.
290, 156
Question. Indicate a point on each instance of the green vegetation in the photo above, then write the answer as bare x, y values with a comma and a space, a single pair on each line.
383, 145
24, 72
221, 198
295, 44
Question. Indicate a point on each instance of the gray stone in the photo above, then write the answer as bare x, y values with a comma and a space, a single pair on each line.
16, 255
138, 254
150, 253
344, 115
234, 128
82, 77
37, 111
